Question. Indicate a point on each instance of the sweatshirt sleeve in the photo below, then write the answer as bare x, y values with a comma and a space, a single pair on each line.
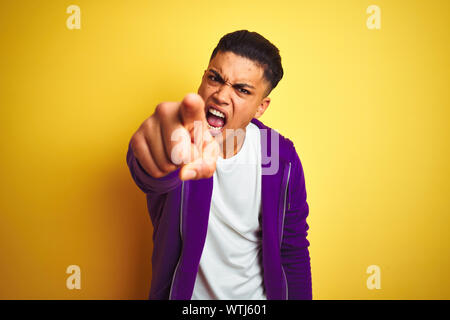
147, 183
294, 249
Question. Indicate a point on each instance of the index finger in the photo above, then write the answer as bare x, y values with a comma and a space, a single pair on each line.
192, 109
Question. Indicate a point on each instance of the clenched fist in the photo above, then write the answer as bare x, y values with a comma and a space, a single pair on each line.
176, 135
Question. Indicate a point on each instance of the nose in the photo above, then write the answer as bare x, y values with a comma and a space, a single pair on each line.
222, 95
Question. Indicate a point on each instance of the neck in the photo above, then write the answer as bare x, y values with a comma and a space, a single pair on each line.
230, 143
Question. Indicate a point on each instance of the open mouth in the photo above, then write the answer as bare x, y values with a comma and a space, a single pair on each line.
216, 119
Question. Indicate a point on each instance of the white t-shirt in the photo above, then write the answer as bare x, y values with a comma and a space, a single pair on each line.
231, 262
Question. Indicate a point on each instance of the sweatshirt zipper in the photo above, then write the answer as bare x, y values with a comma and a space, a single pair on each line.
181, 236
282, 225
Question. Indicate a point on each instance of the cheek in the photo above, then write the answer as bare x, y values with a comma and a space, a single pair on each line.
242, 114
202, 90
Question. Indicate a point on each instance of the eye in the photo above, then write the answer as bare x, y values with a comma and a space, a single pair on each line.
213, 78
244, 91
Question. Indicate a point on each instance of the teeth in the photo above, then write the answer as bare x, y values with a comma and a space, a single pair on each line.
216, 112
214, 128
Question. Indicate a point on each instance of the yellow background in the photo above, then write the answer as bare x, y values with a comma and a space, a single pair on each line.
368, 111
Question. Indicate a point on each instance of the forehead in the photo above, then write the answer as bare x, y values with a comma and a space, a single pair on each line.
237, 69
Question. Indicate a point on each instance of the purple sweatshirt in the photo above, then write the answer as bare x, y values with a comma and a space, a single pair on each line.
179, 211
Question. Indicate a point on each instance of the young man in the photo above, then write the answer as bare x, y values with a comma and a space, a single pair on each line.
226, 225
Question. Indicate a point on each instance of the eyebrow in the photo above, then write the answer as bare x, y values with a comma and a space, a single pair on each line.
236, 85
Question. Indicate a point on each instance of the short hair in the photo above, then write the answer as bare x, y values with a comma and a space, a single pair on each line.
253, 46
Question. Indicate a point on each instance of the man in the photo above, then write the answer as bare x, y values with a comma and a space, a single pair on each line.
226, 226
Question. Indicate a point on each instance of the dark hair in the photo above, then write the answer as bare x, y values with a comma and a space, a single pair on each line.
255, 47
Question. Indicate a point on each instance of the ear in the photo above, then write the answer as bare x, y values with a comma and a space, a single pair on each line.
262, 107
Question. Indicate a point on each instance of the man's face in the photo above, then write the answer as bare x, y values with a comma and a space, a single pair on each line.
235, 87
